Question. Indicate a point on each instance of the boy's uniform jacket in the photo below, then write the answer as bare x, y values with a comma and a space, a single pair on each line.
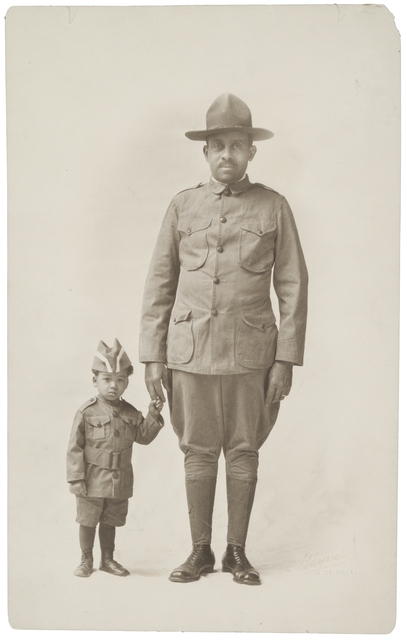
207, 305
101, 444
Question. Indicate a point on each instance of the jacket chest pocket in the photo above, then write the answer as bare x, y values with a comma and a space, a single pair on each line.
256, 244
129, 429
257, 340
180, 339
193, 247
98, 427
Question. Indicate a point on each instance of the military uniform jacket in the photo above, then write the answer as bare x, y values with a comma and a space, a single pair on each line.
206, 306
101, 444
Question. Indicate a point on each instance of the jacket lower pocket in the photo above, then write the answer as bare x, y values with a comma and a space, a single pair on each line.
256, 340
180, 339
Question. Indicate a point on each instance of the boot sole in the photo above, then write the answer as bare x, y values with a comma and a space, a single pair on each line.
119, 575
203, 572
83, 575
236, 579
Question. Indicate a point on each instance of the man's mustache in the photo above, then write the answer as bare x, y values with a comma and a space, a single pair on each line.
228, 165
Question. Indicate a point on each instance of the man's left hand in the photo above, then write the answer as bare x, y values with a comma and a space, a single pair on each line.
279, 382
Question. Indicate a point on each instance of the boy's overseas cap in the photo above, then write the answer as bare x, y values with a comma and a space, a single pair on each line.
110, 360
229, 113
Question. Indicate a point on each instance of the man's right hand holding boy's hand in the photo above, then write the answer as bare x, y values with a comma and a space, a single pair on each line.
155, 374
78, 488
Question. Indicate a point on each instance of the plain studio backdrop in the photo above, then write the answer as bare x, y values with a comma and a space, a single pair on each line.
98, 100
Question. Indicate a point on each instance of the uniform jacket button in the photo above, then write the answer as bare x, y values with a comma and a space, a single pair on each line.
115, 475
117, 433
216, 280
115, 414
227, 192
260, 232
219, 249
223, 219
214, 312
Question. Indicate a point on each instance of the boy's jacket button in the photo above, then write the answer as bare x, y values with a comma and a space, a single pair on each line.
117, 433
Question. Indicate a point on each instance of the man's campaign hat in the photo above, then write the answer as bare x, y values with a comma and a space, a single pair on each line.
229, 113
110, 360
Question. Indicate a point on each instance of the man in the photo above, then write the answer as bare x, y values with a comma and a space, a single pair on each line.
208, 332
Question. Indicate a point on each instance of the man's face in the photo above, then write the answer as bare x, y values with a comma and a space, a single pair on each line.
228, 155
111, 385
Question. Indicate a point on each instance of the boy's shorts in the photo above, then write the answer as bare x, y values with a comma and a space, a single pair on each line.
90, 511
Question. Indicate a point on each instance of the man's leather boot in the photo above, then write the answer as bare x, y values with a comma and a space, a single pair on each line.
234, 561
85, 569
200, 499
200, 562
240, 495
111, 566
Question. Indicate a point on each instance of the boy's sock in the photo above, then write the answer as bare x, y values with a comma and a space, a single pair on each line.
107, 535
86, 537
86, 540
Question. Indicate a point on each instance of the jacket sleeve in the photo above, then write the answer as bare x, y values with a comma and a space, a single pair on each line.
75, 462
148, 428
290, 280
160, 290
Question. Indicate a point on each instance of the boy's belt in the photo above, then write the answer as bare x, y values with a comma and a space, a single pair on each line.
108, 459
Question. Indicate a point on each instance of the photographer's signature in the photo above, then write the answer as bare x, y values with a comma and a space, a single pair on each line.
326, 563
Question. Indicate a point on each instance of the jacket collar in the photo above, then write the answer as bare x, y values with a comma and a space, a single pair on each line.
237, 188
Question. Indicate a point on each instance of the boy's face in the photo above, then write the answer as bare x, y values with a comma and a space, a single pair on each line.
111, 385
228, 155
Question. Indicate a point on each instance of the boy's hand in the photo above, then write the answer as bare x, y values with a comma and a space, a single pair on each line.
78, 488
155, 407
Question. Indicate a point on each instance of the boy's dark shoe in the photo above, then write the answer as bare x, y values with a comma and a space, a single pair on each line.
111, 566
85, 568
234, 561
201, 561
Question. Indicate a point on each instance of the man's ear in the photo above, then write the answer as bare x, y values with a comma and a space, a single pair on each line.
205, 152
94, 381
253, 151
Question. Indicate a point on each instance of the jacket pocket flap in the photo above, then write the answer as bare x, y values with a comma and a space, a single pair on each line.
189, 226
181, 316
259, 226
259, 320
98, 421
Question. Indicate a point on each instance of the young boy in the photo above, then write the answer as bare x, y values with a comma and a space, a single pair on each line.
99, 467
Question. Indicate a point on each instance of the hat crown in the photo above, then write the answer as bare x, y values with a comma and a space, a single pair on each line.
228, 111
110, 359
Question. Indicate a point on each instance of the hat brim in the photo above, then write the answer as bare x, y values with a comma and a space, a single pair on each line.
255, 132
